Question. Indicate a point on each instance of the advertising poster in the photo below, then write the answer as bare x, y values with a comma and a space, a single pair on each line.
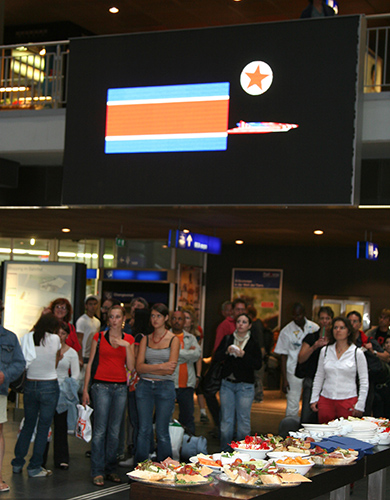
189, 287
261, 288
29, 287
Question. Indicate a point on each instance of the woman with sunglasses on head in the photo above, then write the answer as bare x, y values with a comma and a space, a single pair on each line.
109, 393
62, 310
335, 390
156, 362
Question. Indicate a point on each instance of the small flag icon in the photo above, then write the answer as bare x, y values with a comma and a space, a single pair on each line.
167, 118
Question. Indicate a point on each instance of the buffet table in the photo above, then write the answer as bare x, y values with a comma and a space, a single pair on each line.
333, 480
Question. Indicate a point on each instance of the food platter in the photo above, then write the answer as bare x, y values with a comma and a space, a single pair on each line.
226, 479
171, 484
194, 460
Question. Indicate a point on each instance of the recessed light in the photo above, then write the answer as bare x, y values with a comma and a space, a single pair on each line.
113, 10
239, 242
318, 231
32, 241
65, 230
186, 230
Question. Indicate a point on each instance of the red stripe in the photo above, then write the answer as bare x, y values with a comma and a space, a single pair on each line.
167, 118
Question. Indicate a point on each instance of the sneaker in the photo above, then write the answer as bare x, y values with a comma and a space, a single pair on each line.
17, 469
42, 473
204, 417
127, 463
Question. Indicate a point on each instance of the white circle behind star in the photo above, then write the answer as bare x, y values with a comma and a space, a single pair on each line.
256, 78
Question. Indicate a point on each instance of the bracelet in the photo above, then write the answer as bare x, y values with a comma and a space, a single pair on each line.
198, 376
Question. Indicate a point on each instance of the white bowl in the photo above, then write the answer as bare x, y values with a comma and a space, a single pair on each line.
257, 454
278, 454
301, 469
226, 459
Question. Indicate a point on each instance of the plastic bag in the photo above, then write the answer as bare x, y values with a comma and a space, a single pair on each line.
192, 445
176, 433
83, 425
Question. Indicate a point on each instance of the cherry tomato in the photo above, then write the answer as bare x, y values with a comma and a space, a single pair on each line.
248, 439
237, 461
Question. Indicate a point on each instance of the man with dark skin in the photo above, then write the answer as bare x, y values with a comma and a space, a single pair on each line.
288, 346
185, 375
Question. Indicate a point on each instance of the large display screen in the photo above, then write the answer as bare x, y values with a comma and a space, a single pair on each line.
259, 114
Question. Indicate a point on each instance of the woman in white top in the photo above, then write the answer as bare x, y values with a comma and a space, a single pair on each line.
68, 372
40, 396
335, 390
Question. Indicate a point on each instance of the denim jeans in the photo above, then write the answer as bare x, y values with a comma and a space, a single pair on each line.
161, 396
236, 403
40, 401
109, 402
185, 400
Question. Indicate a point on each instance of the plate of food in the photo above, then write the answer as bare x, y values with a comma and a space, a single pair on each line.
338, 457
207, 460
269, 477
171, 474
256, 446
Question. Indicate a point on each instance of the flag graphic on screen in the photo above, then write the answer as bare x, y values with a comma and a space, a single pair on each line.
167, 118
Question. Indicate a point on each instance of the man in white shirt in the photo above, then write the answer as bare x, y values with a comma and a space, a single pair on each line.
87, 325
288, 346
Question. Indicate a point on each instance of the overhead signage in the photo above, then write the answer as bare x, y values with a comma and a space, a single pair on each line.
367, 250
196, 242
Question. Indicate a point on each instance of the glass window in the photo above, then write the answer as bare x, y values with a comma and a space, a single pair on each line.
84, 251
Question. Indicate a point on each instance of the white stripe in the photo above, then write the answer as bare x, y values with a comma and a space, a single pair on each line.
169, 100
163, 136
102, 493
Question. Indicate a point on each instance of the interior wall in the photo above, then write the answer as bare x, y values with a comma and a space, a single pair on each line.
306, 272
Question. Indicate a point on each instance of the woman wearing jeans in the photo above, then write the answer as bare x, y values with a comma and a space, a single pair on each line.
156, 363
40, 397
109, 394
242, 356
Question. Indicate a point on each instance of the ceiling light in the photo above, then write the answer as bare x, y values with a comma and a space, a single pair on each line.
113, 10
65, 230
186, 230
239, 242
32, 242
318, 231
42, 52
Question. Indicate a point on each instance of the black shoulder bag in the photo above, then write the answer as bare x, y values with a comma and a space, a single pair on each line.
95, 361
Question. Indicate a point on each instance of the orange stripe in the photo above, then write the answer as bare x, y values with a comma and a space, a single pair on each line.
167, 118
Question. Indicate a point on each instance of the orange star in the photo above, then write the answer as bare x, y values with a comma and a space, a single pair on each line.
256, 78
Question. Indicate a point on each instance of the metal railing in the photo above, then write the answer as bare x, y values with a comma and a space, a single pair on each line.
33, 76
377, 58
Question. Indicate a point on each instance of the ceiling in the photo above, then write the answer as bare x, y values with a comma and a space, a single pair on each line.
265, 226
260, 226
151, 15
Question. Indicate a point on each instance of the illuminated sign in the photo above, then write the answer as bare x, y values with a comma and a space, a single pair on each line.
197, 242
367, 250
134, 275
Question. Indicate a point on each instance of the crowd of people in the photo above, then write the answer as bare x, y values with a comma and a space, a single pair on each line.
133, 368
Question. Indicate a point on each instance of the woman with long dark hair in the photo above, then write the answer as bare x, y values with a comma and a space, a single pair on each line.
335, 390
40, 396
156, 362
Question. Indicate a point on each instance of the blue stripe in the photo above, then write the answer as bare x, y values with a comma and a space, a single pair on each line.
167, 145
169, 91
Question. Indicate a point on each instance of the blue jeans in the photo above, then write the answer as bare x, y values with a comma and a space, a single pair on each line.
40, 401
185, 399
161, 396
236, 403
109, 402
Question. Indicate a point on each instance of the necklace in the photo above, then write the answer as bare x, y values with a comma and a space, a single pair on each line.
160, 339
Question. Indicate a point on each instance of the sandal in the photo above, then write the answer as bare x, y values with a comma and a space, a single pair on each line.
113, 477
4, 487
98, 481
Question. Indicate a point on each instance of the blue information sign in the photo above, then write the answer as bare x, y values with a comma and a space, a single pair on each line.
367, 250
197, 242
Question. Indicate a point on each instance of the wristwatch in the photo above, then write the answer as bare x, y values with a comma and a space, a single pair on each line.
376, 353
